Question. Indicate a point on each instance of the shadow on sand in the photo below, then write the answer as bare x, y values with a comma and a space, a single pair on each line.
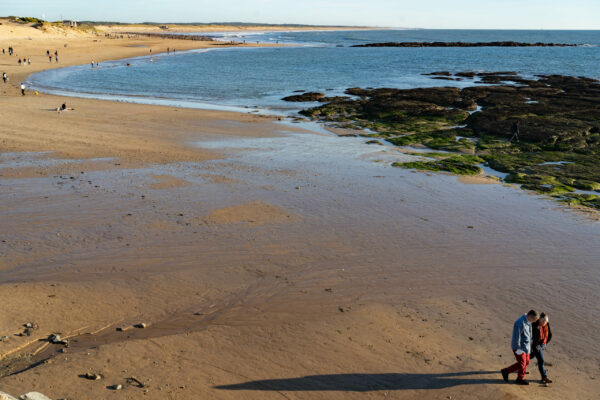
368, 382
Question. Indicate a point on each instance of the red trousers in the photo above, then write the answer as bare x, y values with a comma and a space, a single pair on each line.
520, 366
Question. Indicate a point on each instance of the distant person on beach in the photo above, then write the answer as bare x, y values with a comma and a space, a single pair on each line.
50, 57
92, 63
19, 61
4, 77
521, 346
3, 52
22, 89
541, 337
514, 130
29, 61
47, 53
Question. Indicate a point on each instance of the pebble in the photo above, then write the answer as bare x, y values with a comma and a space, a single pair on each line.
141, 325
6, 396
34, 396
3, 338
115, 387
92, 377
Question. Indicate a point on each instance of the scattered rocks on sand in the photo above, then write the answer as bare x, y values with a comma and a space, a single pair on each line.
305, 97
29, 328
3, 338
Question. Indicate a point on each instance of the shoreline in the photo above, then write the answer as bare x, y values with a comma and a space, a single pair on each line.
287, 263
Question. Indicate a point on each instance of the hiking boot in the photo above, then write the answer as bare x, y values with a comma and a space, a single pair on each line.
504, 375
546, 380
521, 382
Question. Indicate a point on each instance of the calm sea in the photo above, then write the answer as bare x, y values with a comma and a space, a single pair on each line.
257, 78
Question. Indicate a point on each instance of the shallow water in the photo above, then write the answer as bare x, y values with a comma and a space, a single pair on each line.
259, 77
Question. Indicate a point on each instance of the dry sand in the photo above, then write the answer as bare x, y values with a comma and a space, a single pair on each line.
257, 280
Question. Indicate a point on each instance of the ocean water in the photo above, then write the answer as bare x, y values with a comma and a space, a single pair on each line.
257, 78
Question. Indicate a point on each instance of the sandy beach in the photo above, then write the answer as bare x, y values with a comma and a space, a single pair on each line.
261, 263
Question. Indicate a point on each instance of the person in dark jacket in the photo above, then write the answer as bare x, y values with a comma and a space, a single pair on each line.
515, 130
541, 336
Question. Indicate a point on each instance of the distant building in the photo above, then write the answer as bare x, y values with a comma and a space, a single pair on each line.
68, 22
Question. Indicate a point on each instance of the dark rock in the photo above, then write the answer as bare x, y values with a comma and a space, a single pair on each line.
91, 376
305, 97
465, 44
439, 73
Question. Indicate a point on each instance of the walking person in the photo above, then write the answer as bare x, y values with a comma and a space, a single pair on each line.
22, 89
4, 77
541, 337
514, 129
521, 347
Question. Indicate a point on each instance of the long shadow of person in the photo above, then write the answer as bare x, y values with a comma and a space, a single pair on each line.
366, 382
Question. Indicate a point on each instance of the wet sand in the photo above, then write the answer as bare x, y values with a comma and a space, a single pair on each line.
269, 261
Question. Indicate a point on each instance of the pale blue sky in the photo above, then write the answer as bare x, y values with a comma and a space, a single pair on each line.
482, 14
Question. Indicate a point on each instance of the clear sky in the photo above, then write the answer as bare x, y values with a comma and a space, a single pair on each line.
482, 14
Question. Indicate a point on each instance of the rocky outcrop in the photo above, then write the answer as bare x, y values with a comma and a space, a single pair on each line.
557, 149
305, 97
465, 44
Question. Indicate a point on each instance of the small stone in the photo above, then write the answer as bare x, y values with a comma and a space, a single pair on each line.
3, 338
29, 325
141, 325
56, 339
34, 396
6, 396
123, 328
92, 377
115, 387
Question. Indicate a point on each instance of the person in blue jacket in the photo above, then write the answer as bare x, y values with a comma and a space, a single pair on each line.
521, 346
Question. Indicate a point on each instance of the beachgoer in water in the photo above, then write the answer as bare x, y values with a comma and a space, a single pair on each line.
22, 89
92, 63
4, 77
514, 130
541, 337
521, 347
